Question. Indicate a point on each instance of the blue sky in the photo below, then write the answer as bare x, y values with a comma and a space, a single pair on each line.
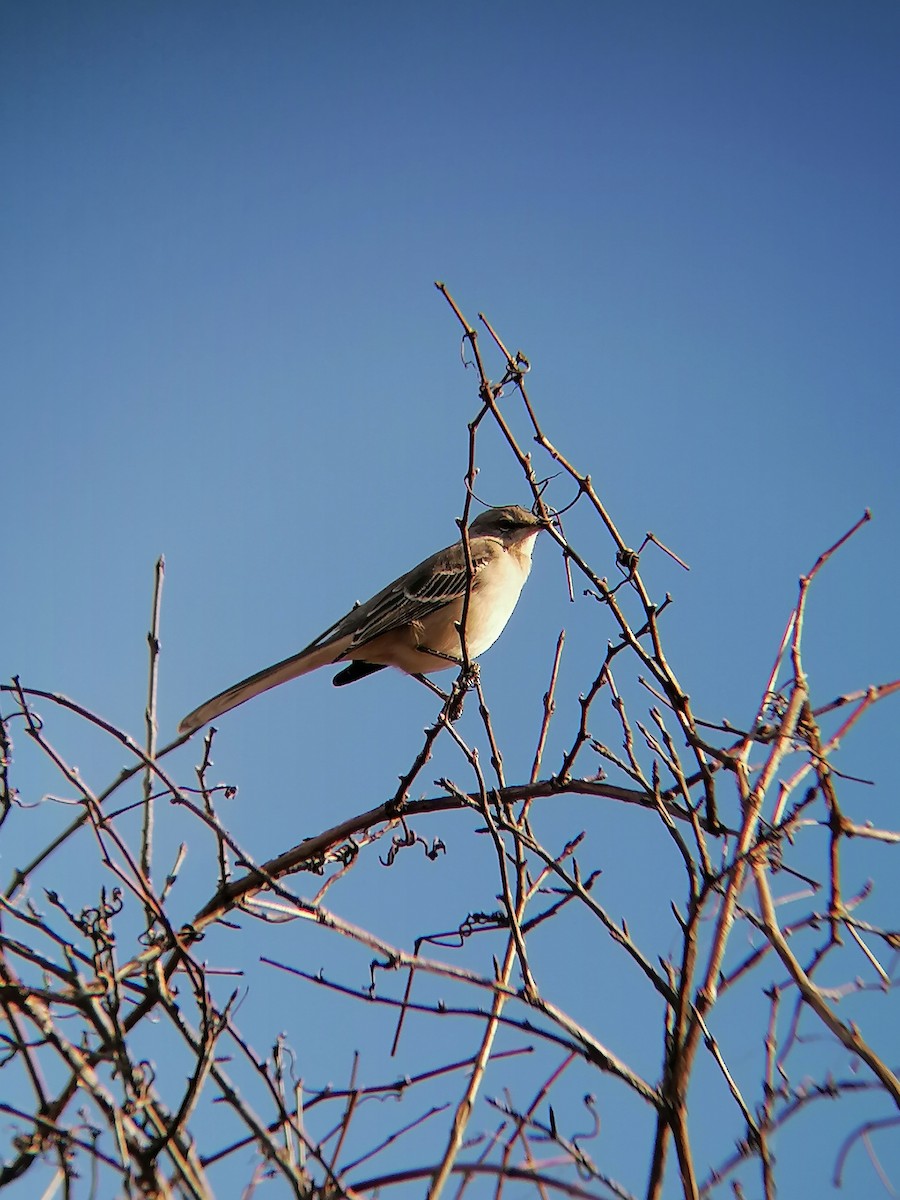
220, 341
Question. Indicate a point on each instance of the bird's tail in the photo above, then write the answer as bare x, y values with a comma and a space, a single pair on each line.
289, 668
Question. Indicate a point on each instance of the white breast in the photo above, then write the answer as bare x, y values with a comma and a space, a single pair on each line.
496, 596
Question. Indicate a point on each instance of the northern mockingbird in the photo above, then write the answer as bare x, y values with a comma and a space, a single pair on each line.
413, 623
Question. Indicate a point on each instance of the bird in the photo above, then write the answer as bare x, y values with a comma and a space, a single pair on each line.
414, 623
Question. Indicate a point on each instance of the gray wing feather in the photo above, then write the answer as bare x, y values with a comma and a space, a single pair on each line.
434, 583
405, 603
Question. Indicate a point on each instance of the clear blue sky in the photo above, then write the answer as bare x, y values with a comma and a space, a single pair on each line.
219, 340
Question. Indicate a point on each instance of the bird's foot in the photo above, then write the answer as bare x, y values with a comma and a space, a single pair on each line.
471, 676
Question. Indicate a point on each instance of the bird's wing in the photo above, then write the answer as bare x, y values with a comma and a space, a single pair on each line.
433, 584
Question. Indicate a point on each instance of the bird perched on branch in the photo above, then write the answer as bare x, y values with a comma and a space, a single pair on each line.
414, 623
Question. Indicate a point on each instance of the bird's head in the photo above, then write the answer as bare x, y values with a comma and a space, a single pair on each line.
510, 524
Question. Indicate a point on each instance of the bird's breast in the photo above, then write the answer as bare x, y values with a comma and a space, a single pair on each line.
494, 597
